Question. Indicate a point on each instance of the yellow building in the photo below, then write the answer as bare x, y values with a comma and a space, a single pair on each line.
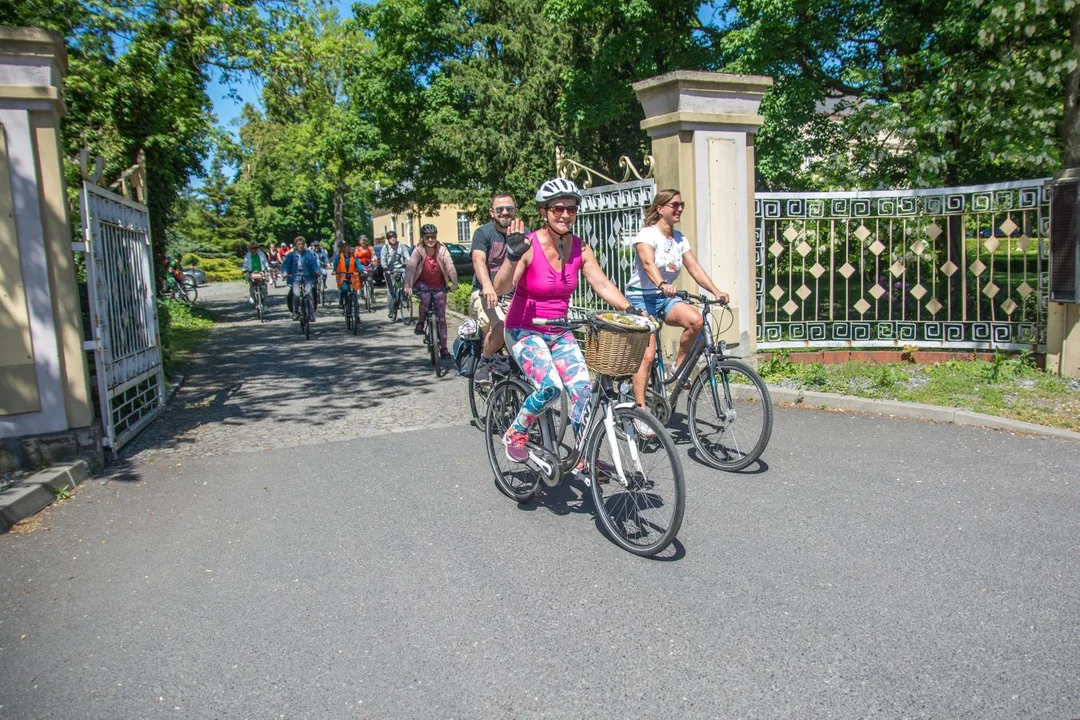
455, 225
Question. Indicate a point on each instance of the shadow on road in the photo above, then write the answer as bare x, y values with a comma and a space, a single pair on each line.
251, 372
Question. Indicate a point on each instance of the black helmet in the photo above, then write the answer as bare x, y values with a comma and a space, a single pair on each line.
429, 229
391, 233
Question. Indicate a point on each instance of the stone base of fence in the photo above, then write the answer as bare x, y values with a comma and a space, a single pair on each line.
881, 357
26, 453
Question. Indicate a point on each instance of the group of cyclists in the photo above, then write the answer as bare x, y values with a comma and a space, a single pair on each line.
541, 269
519, 276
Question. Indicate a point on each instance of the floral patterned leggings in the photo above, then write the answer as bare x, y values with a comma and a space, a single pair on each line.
553, 361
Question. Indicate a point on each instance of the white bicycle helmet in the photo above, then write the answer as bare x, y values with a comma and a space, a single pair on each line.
557, 188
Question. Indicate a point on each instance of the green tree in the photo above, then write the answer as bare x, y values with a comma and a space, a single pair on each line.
892, 93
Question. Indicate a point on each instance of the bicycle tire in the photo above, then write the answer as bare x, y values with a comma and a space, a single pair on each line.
432, 331
515, 480
479, 395
638, 517
350, 323
305, 317
192, 292
725, 443
259, 305
354, 308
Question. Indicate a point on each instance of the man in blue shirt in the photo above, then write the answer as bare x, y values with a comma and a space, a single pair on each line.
301, 266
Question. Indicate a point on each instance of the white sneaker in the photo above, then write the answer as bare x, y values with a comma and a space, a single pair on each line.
643, 430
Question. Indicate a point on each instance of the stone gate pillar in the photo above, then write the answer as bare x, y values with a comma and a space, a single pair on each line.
44, 378
702, 126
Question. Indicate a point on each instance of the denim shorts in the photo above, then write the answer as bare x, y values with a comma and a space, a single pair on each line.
658, 305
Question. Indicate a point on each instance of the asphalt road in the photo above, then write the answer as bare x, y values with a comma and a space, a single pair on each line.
276, 546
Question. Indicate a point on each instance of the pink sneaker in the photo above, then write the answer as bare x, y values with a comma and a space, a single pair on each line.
514, 441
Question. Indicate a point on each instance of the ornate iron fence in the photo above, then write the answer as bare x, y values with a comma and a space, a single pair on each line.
962, 267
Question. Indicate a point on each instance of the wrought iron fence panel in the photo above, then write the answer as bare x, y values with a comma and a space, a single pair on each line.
610, 215
960, 267
123, 312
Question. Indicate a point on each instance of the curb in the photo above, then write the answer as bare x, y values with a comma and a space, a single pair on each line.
914, 411
38, 491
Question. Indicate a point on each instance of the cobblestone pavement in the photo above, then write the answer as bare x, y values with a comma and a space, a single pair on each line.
255, 386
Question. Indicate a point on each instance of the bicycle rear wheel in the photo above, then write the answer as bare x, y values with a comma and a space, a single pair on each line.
644, 515
515, 480
350, 322
192, 291
731, 431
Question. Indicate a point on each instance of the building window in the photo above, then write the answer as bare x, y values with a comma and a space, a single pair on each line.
408, 219
464, 228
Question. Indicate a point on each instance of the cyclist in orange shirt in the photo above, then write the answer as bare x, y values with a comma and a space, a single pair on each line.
364, 253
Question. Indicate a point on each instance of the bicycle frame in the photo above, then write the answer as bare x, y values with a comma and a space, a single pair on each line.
601, 413
704, 344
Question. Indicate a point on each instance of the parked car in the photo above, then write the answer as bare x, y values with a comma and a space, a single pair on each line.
195, 276
462, 257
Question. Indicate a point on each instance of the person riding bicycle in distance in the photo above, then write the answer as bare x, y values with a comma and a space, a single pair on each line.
393, 256
488, 255
543, 268
299, 267
661, 252
431, 270
255, 261
345, 262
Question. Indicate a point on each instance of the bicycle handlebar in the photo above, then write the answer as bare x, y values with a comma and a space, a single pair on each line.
682, 295
560, 322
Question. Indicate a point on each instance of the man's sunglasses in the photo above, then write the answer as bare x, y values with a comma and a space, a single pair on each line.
505, 210
563, 209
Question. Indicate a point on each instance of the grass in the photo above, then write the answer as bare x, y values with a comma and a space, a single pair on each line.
1009, 386
183, 328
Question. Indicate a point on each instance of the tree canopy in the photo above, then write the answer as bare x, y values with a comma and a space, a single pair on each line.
414, 103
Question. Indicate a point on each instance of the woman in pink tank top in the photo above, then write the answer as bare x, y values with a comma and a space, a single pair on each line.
543, 268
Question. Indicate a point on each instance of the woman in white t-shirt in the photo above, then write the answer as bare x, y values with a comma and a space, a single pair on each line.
662, 252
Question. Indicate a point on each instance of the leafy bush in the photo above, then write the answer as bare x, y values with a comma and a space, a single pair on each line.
222, 269
778, 366
459, 299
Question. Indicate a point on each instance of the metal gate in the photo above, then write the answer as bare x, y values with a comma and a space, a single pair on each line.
123, 312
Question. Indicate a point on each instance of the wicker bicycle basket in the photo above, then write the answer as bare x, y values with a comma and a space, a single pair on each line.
615, 344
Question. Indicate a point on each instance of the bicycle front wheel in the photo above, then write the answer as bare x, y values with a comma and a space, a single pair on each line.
305, 317
350, 323
642, 507
731, 428
515, 480
192, 291
433, 341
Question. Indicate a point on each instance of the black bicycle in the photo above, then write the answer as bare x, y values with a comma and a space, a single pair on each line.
479, 392
306, 309
636, 480
431, 330
395, 296
350, 304
729, 410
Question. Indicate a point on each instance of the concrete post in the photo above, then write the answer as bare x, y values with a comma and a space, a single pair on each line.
47, 389
702, 126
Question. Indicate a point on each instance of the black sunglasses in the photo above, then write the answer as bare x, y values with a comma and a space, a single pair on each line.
677, 205
505, 210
